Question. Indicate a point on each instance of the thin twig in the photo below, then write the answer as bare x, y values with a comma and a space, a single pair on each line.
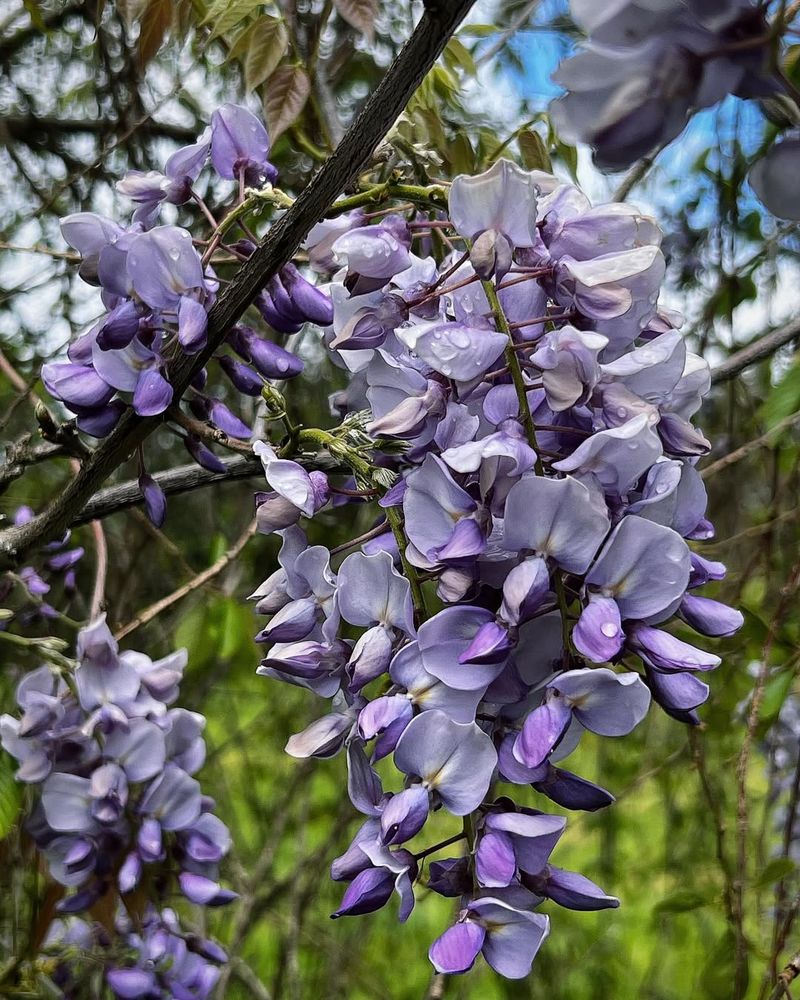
789, 974
68, 255
750, 446
760, 349
148, 614
100, 570
635, 176
207, 432
500, 43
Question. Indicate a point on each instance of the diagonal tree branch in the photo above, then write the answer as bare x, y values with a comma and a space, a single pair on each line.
183, 479
35, 131
759, 350
351, 156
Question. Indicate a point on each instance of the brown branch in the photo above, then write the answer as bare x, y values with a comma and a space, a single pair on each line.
749, 446
151, 612
351, 156
35, 131
437, 987
186, 479
789, 974
183, 479
759, 350
20, 455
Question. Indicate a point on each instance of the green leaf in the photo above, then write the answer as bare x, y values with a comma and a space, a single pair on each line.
458, 56
195, 634
776, 691
774, 871
10, 795
236, 628
534, 152
240, 44
461, 154
682, 901
784, 398
359, 14
285, 95
218, 546
479, 30
569, 157
226, 15
35, 14
268, 40
718, 972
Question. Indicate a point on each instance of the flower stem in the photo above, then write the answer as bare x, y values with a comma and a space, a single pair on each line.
396, 523
441, 845
430, 196
514, 368
561, 594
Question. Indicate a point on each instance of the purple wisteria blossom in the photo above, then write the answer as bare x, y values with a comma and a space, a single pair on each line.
655, 62
111, 768
517, 446
517, 442
158, 283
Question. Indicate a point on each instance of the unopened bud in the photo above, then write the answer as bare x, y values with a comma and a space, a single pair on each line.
276, 404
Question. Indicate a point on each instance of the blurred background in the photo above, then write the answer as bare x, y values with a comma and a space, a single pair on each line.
91, 89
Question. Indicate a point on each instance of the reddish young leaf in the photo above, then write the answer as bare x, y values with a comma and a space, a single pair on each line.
285, 95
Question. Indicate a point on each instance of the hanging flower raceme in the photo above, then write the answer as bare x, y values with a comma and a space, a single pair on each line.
655, 63
546, 500
158, 284
518, 414
111, 765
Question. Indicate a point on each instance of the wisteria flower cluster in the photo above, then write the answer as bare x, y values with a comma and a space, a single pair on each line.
656, 61
519, 410
519, 583
157, 288
117, 808
57, 568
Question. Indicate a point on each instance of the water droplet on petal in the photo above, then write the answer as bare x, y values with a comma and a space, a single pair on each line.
609, 629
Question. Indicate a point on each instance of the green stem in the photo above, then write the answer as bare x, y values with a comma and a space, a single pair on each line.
253, 197
38, 601
48, 649
514, 367
338, 449
441, 845
430, 196
303, 142
396, 524
561, 595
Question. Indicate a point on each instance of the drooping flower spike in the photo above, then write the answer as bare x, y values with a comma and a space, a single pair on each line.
552, 512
